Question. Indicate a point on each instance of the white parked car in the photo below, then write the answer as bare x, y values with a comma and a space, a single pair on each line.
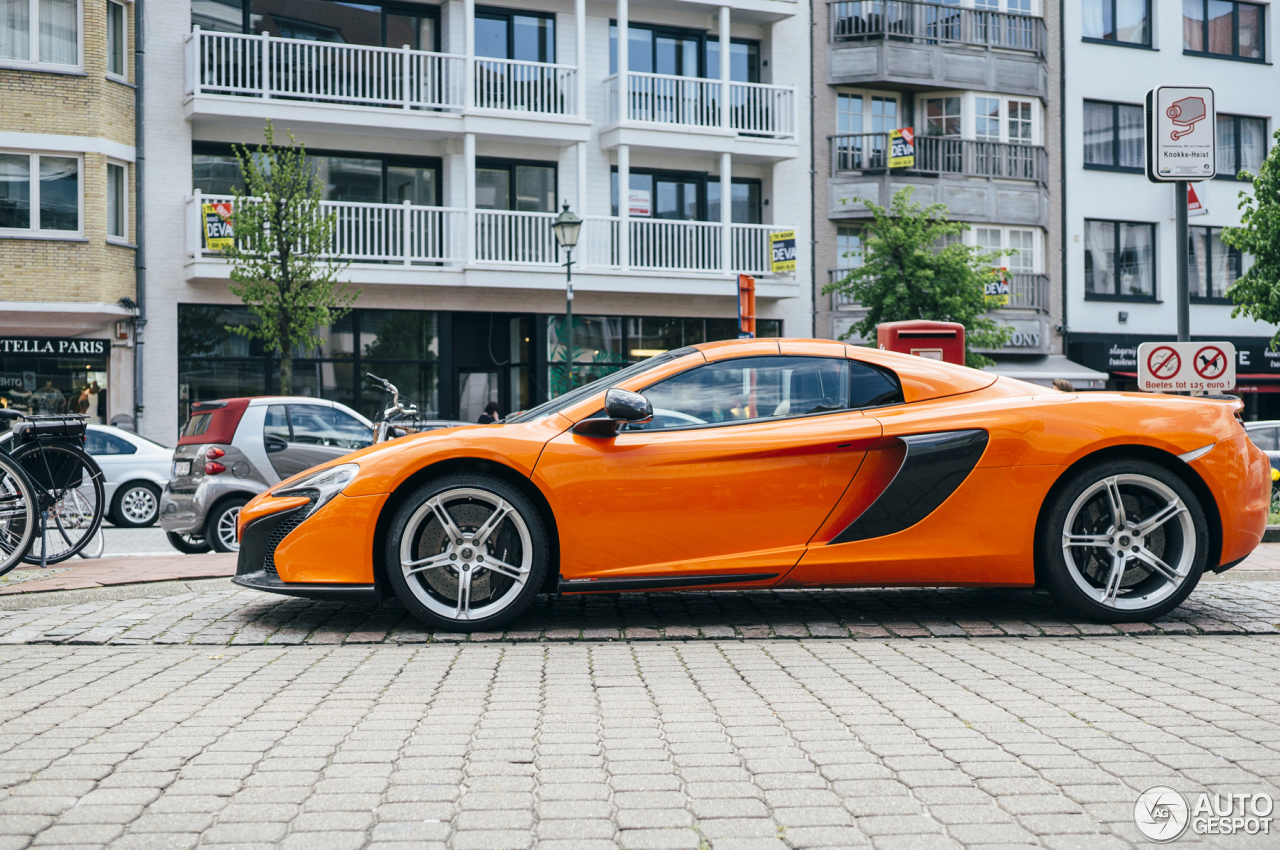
135, 471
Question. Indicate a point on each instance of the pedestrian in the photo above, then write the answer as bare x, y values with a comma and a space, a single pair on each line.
1064, 385
490, 414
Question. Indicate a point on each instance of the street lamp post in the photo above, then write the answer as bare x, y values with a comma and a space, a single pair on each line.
566, 227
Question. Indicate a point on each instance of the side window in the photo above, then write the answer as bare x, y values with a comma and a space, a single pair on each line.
98, 443
872, 387
749, 388
348, 432
1263, 438
276, 423
310, 425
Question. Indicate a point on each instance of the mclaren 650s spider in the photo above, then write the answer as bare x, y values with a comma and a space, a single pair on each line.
778, 463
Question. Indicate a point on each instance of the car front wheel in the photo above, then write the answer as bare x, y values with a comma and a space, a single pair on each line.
1125, 541
187, 544
136, 505
466, 553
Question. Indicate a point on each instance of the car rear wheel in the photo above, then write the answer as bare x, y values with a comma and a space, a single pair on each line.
220, 526
466, 553
187, 544
136, 505
1125, 541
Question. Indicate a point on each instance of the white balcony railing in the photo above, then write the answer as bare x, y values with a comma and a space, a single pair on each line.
268, 67
366, 233
525, 86
683, 246
523, 238
754, 108
409, 235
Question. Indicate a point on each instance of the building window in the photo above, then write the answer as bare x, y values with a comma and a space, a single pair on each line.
1020, 122
45, 32
1117, 21
942, 116
1222, 28
346, 177
1119, 260
681, 52
39, 192
1242, 145
1113, 136
369, 24
987, 116
1021, 241
509, 34
507, 185
117, 201
117, 35
687, 196
848, 247
1212, 265
858, 113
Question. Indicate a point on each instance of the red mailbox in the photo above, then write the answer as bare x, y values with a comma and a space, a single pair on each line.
936, 340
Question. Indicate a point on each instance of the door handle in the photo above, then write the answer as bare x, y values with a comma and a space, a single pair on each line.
274, 443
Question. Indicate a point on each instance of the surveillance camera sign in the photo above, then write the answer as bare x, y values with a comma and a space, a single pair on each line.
1181, 134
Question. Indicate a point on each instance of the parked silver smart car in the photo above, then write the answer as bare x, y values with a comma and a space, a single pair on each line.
231, 450
134, 471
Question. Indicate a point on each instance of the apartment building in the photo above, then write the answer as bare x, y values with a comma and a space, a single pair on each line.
449, 135
1121, 250
977, 82
67, 256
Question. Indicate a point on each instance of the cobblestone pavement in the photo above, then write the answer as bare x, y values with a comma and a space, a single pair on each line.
227, 615
698, 745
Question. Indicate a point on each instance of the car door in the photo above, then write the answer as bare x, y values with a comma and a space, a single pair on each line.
738, 491
300, 436
114, 455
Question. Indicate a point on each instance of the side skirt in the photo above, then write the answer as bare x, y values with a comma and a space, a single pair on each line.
613, 585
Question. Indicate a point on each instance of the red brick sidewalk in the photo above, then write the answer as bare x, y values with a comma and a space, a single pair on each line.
108, 571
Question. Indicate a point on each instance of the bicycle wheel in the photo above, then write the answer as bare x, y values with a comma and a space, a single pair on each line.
19, 516
69, 493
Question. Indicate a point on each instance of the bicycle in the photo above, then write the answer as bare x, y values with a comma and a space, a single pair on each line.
51, 490
396, 420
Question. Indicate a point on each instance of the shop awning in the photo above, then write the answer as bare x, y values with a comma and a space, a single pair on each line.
1044, 369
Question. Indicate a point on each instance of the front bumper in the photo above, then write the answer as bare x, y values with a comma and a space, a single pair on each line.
261, 537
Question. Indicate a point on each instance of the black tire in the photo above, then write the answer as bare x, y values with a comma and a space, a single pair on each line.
220, 525
187, 544
518, 542
1106, 553
68, 486
129, 501
19, 517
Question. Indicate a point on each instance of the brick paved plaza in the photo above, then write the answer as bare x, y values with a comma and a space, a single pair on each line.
195, 714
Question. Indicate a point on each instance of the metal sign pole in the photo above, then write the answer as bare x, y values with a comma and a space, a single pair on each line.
1184, 294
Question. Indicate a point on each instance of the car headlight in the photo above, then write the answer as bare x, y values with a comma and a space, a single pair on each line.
321, 486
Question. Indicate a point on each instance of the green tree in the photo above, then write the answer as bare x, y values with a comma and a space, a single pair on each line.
905, 274
280, 267
1257, 292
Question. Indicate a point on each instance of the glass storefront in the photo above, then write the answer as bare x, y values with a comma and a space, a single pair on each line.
453, 364
47, 375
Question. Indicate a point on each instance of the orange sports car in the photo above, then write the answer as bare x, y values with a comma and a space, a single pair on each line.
778, 463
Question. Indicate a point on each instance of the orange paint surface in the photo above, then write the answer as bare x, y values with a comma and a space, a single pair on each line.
651, 500
1239, 475
333, 547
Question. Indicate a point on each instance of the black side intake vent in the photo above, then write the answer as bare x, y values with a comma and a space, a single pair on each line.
935, 465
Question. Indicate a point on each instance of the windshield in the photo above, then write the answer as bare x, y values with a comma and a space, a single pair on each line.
571, 398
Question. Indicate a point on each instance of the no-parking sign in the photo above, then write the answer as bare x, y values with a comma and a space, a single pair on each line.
1186, 366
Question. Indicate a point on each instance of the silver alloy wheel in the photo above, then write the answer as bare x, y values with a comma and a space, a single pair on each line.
1129, 542
227, 529
462, 545
139, 504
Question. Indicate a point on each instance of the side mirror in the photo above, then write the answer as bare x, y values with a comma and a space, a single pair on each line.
626, 406
620, 407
